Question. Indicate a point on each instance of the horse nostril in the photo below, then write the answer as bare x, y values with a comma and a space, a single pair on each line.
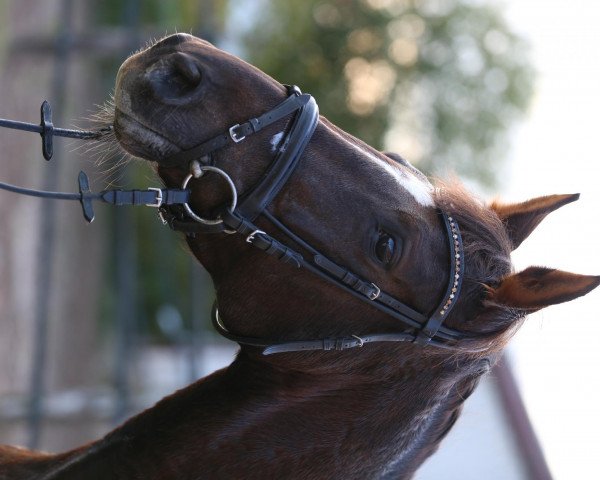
173, 77
187, 68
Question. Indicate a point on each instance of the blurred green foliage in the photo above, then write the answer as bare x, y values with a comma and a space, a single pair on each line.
438, 81
198, 17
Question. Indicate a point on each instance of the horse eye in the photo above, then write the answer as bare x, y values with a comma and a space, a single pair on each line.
385, 247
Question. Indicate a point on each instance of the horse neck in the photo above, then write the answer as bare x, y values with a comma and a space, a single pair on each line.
255, 413
278, 421
392, 415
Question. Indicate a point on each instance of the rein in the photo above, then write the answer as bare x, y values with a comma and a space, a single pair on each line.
151, 197
175, 211
48, 131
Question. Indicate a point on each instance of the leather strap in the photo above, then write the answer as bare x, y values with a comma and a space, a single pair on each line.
303, 126
425, 330
281, 168
457, 269
369, 290
324, 344
152, 197
348, 281
237, 133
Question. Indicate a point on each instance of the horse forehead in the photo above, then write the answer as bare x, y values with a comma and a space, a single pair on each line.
421, 191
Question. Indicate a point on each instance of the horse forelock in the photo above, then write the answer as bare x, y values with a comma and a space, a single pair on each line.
487, 249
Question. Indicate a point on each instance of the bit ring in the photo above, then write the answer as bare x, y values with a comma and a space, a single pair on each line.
233, 204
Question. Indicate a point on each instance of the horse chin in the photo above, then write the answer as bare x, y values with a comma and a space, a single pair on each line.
140, 140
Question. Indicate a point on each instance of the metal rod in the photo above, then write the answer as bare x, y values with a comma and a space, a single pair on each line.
46, 246
125, 253
195, 338
55, 131
126, 260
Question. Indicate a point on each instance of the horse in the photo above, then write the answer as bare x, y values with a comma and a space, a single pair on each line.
367, 301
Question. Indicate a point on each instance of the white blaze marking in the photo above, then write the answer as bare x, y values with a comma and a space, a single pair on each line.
421, 191
275, 141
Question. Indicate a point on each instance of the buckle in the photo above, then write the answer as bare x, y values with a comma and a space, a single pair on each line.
234, 135
162, 216
250, 238
374, 295
159, 198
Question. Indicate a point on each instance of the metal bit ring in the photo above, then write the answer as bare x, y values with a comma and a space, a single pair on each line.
209, 221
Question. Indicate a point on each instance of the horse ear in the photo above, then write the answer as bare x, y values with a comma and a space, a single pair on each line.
538, 287
521, 219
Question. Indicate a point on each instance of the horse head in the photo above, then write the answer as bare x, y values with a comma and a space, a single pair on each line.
371, 214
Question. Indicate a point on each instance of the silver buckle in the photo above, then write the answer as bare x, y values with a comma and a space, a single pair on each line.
234, 136
375, 295
250, 238
161, 215
159, 198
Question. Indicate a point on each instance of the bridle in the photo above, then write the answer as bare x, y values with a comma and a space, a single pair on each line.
239, 217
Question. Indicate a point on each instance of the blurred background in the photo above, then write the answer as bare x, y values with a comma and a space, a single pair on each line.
100, 321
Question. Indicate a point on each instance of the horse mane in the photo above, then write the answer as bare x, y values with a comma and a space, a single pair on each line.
487, 249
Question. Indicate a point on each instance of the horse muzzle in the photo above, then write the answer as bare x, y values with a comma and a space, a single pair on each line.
149, 90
